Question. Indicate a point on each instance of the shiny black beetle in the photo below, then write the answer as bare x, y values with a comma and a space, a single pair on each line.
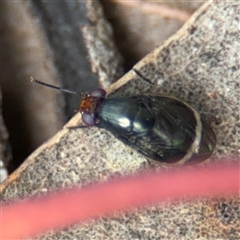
162, 128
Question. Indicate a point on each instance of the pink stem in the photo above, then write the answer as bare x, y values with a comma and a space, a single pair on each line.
36, 215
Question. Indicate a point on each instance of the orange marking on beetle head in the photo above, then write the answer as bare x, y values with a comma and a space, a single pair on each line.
87, 104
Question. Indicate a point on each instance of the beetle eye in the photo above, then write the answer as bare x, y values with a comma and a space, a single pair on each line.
88, 119
98, 93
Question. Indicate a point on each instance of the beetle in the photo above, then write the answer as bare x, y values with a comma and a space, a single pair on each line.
162, 128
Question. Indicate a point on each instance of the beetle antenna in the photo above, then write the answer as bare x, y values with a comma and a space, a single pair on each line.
55, 87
